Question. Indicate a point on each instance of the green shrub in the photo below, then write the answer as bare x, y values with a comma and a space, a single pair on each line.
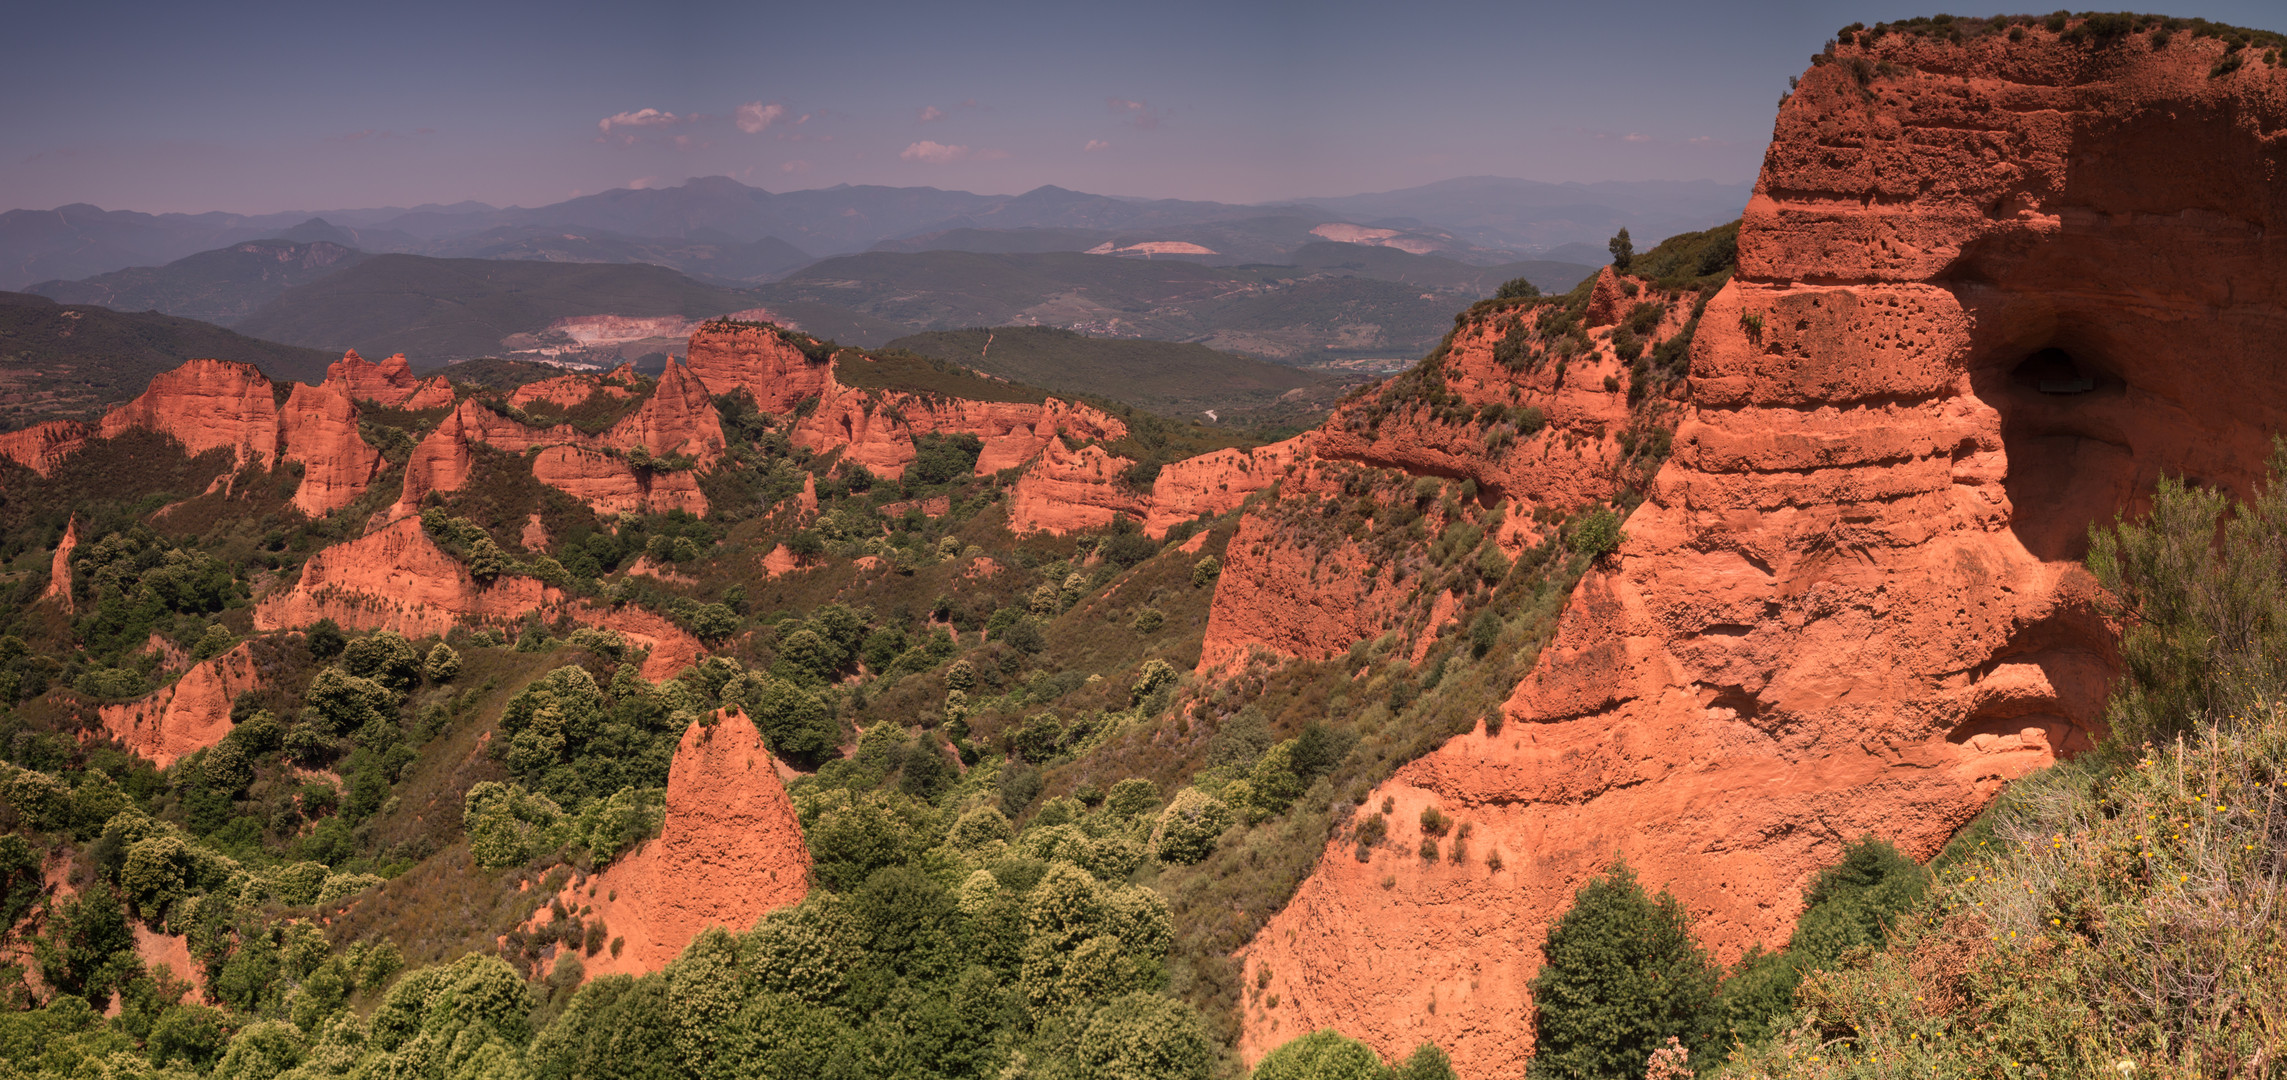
1325, 1054
1620, 974
442, 665
1597, 533
1188, 828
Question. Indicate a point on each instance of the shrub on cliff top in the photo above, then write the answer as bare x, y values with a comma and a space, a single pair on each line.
1620, 975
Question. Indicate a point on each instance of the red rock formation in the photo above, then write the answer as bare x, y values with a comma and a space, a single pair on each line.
443, 459
389, 382
1219, 482
40, 446
731, 852
1069, 490
188, 716
396, 578
726, 356
566, 391
1291, 593
678, 418
435, 392
609, 485
206, 405
1983, 301
59, 567
876, 428
318, 427
1606, 302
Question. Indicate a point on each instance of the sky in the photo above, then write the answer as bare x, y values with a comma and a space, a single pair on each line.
269, 107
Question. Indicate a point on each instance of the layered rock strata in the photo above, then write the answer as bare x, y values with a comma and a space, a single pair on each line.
731, 851
1985, 298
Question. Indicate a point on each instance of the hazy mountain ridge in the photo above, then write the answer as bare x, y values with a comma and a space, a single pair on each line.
1505, 218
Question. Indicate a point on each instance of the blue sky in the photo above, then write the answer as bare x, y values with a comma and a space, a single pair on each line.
259, 107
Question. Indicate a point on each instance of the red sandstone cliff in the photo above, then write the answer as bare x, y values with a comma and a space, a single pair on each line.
188, 716
318, 428
566, 391
1851, 602
728, 356
397, 578
59, 568
40, 446
678, 418
731, 852
206, 405
389, 382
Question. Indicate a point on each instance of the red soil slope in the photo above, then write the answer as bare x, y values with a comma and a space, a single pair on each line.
1852, 602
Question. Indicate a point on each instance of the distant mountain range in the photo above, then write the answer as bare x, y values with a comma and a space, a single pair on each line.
74, 361
720, 230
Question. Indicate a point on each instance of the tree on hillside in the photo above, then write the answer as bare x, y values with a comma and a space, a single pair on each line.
1623, 250
1620, 973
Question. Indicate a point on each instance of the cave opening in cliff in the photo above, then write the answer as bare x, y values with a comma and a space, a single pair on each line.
2124, 345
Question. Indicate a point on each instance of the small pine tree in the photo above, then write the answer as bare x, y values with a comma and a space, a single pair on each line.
1623, 250
1620, 974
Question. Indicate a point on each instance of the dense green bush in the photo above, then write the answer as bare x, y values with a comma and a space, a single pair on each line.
1620, 974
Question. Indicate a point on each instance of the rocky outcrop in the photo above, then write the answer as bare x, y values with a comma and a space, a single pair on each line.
1219, 482
206, 405
1982, 303
397, 578
435, 392
731, 851
188, 716
678, 418
758, 358
40, 446
609, 485
389, 382
59, 567
1606, 301
1070, 490
876, 428
566, 391
443, 459
318, 428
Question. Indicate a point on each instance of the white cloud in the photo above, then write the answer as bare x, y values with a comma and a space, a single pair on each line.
930, 114
1095, 145
754, 116
638, 118
1635, 136
933, 153
794, 168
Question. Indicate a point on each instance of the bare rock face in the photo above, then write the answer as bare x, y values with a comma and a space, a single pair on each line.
40, 446
566, 391
678, 418
1219, 482
726, 356
1500, 408
876, 428
1069, 490
318, 427
1606, 301
611, 486
188, 716
397, 578
731, 852
59, 568
387, 383
435, 392
1984, 300
206, 405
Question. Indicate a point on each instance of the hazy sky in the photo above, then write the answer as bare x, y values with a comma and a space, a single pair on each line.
256, 107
